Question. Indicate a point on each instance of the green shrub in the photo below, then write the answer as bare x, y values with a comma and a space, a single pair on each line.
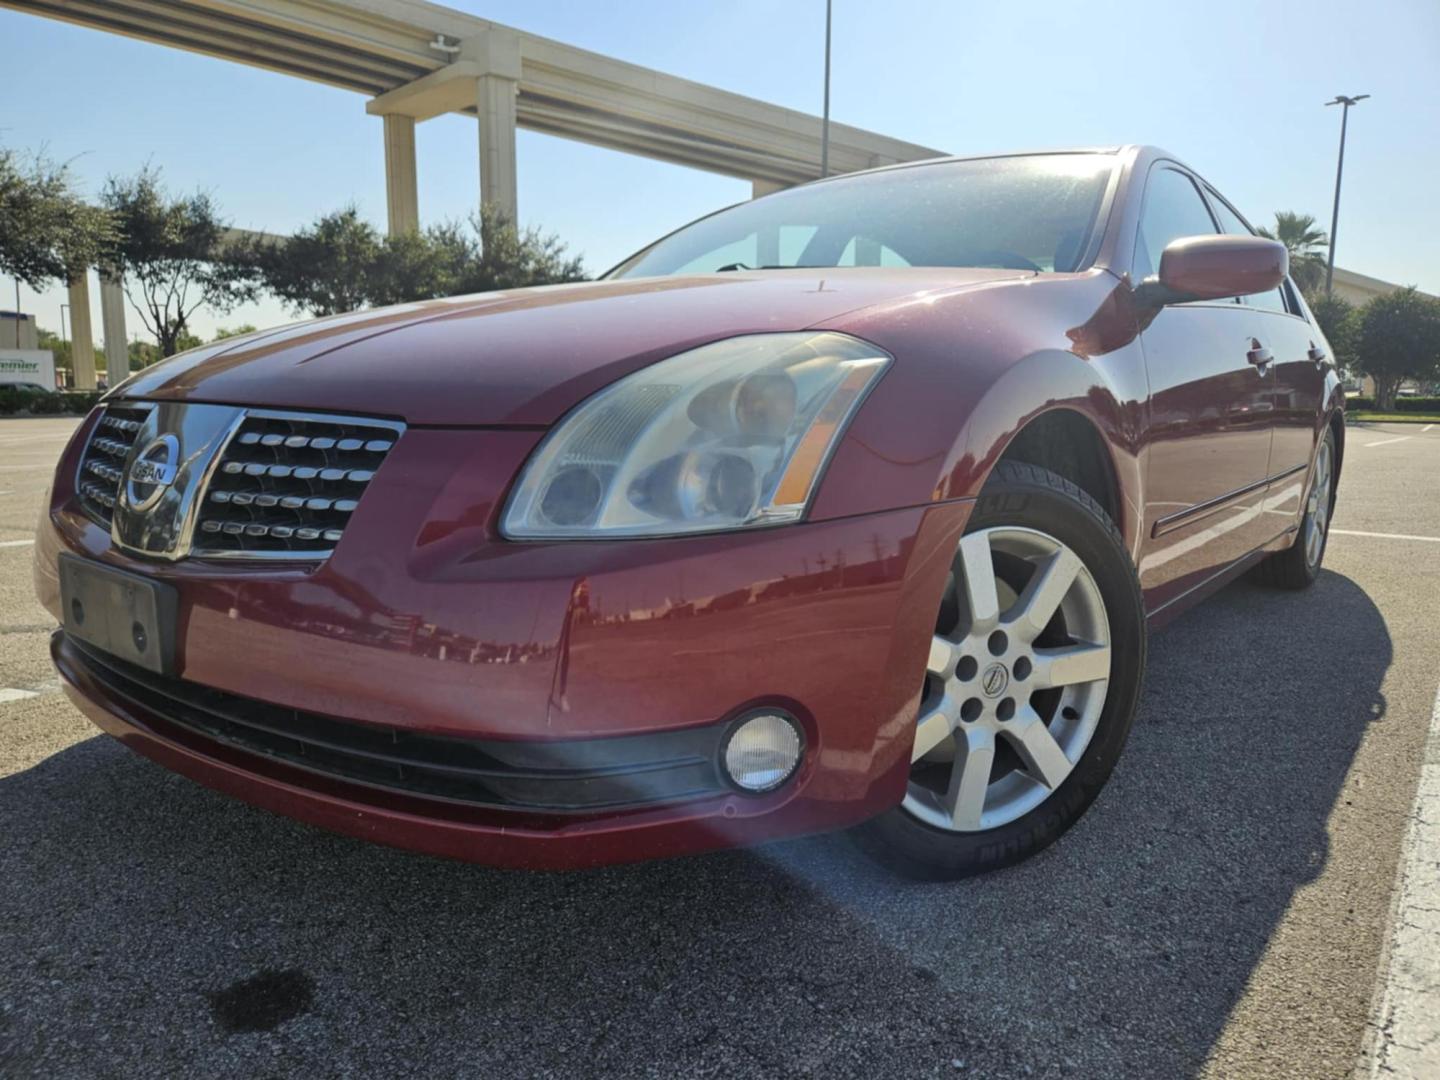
1402, 404
1417, 404
49, 404
14, 401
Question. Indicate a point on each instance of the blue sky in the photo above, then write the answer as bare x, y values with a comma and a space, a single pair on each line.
1236, 89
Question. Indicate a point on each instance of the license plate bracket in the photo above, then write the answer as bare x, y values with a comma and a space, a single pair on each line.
124, 614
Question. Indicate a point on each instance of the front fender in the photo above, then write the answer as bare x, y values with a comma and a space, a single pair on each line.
972, 370
1108, 392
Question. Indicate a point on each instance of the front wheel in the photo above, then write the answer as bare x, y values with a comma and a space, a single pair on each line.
1030, 687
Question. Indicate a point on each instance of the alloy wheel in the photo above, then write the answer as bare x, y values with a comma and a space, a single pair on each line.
1317, 517
1015, 684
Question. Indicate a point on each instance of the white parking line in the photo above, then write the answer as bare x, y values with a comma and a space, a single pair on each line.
1407, 1029
16, 543
1387, 442
1426, 428
1385, 536
10, 693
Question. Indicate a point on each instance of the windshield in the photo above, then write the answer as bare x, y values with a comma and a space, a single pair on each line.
1024, 213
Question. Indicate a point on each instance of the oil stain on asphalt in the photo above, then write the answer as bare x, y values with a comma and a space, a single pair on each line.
263, 1001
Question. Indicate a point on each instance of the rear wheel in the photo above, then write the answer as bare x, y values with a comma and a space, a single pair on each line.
1030, 687
1298, 566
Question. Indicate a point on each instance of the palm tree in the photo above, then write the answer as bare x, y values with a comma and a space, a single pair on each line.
1306, 245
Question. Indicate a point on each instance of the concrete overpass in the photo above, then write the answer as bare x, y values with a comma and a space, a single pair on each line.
417, 60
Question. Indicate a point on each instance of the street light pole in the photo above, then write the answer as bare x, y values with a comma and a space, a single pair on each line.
825, 119
1345, 103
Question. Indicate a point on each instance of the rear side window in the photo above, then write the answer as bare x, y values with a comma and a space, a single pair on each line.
1173, 209
1231, 225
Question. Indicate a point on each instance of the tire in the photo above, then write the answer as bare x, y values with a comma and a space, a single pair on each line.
951, 824
1298, 565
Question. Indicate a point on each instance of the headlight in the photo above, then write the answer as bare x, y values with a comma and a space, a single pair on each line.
726, 436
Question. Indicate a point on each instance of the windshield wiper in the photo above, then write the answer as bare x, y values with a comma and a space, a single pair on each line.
772, 266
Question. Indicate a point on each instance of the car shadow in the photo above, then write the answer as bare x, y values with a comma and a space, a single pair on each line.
147, 922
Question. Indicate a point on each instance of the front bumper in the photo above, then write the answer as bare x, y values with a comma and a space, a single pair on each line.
424, 626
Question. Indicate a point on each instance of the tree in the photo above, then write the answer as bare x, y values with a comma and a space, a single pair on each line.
60, 349
1306, 245
325, 269
172, 251
1340, 323
1399, 338
512, 258
142, 354
223, 332
341, 263
47, 232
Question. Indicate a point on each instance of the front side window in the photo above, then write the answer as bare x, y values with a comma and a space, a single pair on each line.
1035, 212
1231, 225
1173, 210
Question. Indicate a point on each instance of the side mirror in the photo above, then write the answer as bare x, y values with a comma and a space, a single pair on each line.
1215, 268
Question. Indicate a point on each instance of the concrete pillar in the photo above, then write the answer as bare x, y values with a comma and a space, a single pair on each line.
767, 247
402, 197
82, 338
112, 326
497, 53
767, 242
495, 99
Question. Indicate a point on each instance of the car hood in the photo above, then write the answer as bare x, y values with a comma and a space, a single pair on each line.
521, 357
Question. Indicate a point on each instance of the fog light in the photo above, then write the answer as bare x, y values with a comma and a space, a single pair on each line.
762, 751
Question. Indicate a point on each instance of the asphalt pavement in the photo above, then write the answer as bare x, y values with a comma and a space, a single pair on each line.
1227, 907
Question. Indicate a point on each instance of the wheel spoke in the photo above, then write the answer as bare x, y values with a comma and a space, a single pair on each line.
1069, 665
944, 655
980, 597
970, 778
934, 726
1044, 760
1040, 600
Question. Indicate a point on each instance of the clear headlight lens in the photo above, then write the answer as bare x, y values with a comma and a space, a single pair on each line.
728, 435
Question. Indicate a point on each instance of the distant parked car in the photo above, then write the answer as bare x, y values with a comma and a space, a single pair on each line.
848, 506
26, 387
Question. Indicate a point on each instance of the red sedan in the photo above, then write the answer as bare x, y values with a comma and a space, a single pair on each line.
845, 507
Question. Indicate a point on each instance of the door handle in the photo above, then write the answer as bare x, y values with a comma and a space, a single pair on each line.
1317, 354
1259, 355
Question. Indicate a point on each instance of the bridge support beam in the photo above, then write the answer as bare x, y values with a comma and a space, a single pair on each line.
495, 102
402, 199
82, 338
483, 77
496, 55
112, 326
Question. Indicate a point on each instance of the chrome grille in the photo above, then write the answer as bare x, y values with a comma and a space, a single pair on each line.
102, 465
286, 484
